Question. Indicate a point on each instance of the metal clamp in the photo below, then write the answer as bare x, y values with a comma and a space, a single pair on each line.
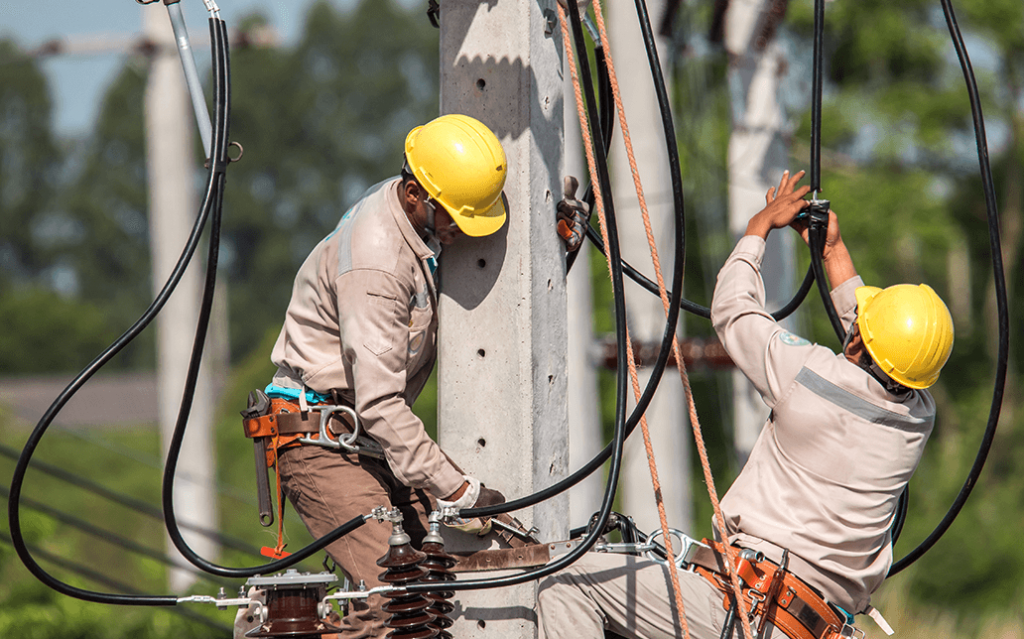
344, 442
650, 548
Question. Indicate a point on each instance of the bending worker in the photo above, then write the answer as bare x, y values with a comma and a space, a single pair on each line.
361, 331
815, 502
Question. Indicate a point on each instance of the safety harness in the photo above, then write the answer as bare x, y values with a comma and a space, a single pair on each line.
772, 593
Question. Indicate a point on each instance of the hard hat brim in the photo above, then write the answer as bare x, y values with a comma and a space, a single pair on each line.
484, 223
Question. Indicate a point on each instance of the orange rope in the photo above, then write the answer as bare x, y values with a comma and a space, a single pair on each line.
694, 420
599, 205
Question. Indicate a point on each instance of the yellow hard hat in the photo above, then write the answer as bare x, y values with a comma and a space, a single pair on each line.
907, 330
461, 164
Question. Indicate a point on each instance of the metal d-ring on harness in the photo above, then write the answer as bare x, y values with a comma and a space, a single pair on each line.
654, 551
353, 442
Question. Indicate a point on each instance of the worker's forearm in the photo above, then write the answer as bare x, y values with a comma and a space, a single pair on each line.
838, 264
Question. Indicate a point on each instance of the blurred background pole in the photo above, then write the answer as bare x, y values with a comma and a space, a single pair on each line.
171, 166
758, 154
667, 415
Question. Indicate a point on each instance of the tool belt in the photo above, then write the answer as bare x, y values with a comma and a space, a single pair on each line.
773, 593
287, 426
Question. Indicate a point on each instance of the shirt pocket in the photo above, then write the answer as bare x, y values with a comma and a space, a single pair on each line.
379, 336
421, 315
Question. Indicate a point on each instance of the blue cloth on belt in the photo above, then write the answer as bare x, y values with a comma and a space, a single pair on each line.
292, 394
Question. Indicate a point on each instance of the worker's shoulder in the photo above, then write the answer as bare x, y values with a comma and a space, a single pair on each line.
833, 377
368, 237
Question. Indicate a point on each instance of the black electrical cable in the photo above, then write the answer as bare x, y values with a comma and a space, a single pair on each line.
818, 216
675, 294
219, 161
1002, 305
622, 384
901, 517
17, 481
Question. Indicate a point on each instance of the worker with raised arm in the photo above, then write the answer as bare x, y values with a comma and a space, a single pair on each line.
810, 514
360, 332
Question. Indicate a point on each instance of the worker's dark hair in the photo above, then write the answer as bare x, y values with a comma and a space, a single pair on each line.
407, 172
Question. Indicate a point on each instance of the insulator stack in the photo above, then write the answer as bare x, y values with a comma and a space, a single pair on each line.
438, 564
409, 618
292, 608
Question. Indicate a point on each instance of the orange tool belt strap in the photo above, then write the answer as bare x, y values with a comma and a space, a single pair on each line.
774, 594
286, 423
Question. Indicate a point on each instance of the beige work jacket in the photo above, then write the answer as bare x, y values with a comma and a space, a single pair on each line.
363, 320
837, 450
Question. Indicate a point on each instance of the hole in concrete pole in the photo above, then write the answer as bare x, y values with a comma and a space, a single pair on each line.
481, 352
480, 84
481, 442
481, 623
481, 263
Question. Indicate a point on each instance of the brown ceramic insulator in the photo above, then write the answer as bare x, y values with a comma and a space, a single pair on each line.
438, 564
292, 613
409, 618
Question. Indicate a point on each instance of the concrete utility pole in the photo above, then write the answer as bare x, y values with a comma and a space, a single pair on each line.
502, 365
667, 415
584, 401
173, 206
758, 154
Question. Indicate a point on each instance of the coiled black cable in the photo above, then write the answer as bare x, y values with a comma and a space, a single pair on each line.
992, 214
219, 162
211, 200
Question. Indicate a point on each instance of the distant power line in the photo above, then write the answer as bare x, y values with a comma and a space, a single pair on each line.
262, 36
113, 584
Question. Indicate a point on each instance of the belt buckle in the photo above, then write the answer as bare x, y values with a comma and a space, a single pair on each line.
851, 631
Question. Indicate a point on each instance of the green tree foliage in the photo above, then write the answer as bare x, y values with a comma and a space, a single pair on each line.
319, 123
901, 169
29, 159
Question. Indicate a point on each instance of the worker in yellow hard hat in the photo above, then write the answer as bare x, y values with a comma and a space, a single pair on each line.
360, 333
810, 514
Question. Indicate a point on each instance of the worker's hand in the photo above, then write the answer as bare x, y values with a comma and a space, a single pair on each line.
783, 205
473, 495
832, 239
573, 216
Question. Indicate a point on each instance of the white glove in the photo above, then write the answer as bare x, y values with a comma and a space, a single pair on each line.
475, 525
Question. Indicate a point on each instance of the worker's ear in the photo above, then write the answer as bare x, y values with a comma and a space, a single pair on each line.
410, 192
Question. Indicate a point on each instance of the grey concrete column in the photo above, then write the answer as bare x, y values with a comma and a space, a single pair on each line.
758, 152
667, 415
170, 165
502, 362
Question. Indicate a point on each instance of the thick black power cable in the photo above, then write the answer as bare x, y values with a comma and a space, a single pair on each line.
219, 161
622, 375
210, 199
992, 212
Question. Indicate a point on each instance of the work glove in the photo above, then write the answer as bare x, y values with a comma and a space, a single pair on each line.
573, 216
476, 496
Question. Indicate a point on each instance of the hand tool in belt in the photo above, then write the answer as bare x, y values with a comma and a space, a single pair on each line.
775, 594
259, 406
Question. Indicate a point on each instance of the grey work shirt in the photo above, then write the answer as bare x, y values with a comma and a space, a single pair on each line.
837, 450
362, 320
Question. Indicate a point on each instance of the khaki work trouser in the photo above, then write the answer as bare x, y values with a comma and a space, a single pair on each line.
630, 596
327, 488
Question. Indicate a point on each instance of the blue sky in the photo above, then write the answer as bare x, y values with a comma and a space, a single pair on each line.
78, 82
